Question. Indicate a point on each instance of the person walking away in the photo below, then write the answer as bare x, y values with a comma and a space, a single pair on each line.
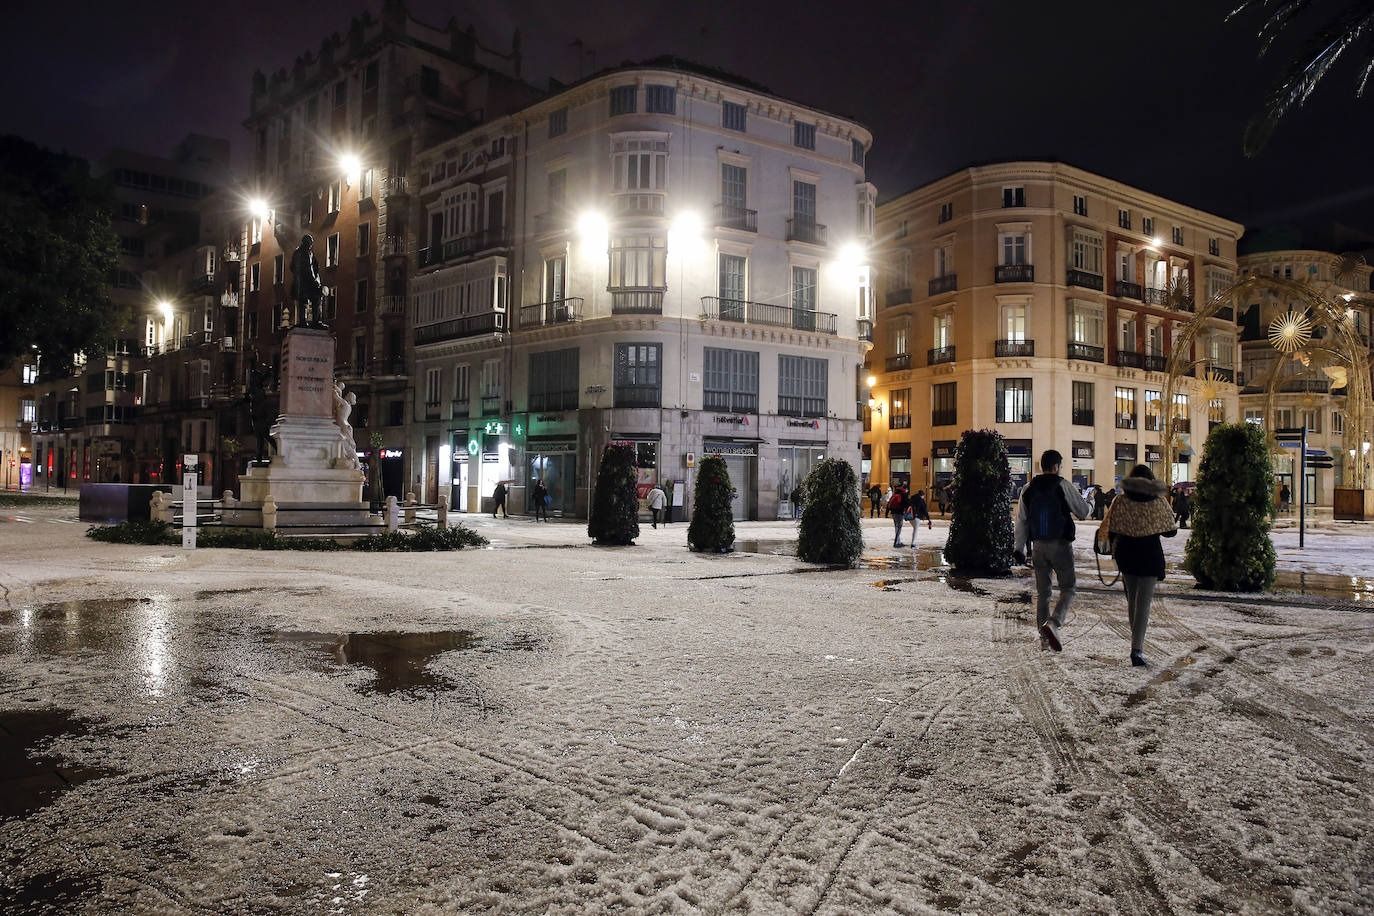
1044, 526
668, 503
896, 507
1099, 503
540, 495
940, 500
657, 500
1135, 522
498, 500
918, 511
1183, 506
1285, 497
875, 500
887, 500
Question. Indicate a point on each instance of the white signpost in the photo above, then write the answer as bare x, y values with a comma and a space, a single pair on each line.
189, 505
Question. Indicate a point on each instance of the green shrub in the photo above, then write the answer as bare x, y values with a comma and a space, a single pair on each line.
135, 532
614, 518
981, 531
423, 538
830, 530
713, 521
31, 501
1229, 548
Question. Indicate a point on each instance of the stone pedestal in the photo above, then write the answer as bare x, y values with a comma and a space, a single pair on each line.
313, 478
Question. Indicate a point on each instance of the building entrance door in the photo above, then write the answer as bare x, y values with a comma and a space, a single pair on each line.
741, 468
431, 495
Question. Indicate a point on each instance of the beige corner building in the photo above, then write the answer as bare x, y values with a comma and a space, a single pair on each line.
1029, 297
1303, 395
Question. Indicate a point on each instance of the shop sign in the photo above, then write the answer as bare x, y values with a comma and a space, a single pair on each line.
392, 453
747, 449
1083, 450
942, 449
1152, 453
805, 424
552, 446
549, 418
736, 420
494, 428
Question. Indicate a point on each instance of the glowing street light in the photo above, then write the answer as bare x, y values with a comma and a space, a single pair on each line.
853, 254
350, 166
872, 380
165, 308
259, 209
592, 227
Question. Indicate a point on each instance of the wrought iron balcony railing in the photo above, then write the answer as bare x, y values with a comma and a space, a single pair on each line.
769, 314
1014, 348
1086, 352
457, 328
729, 216
1125, 289
555, 311
937, 355
945, 284
897, 362
641, 301
1084, 279
804, 229
1014, 273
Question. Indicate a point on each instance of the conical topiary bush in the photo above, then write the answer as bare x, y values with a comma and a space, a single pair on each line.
980, 533
614, 519
830, 530
1229, 548
713, 523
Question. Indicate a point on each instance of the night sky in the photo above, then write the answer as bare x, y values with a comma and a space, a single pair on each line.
1154, 94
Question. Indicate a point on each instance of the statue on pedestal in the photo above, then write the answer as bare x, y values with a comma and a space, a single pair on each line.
307, 288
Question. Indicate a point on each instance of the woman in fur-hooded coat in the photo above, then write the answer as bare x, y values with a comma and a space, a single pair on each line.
1136, 520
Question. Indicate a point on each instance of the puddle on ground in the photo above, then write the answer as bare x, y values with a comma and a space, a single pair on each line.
1358, 589
401, 660
50, 892
1168, 674
29, 778
306, 591
921, 559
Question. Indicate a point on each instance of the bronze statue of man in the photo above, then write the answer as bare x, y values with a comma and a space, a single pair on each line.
307, 289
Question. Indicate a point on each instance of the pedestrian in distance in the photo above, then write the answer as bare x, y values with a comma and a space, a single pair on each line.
1183, 506
657, 500
875, 500
940, 497
498, 500
1099, 503
918, 511
798, 494
1285, 498
887, 500
1044, 526
896, 507
1134, 523
540, 497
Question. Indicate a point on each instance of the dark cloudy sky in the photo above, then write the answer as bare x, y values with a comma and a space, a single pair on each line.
1155, 94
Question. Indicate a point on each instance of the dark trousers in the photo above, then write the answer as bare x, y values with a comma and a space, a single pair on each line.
499, 507
1053, 557
654, 513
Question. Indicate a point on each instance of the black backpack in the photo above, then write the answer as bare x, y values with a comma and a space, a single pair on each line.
1047, 510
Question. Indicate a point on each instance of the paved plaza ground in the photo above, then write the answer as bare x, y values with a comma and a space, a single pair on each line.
549, 727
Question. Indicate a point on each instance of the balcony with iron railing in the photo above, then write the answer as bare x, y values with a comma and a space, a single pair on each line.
468, 245
457, 328
1125, 289
768, 314
388, 367
393, 245
395, 186
1125, 421
729, 216
1084, 416
897, 362
1014, 273
1153, 423
637, 301
946, 283
1130, 359
865, 329
1223, 373
1010, 415
459, 410
491, 405
1086, 352
793, 406
899, 421
1156, 362
1083, 278
937, 355
1226, 313
806, 229
731, 401
897, 297
944, 417
555, 311
1155, 296
431, 410
391, 305
1005, 348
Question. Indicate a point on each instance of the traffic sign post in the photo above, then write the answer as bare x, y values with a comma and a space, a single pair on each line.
189, 505
1287, 437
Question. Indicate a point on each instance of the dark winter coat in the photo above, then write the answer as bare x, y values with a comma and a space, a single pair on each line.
500, 495
1137, 518
919, 508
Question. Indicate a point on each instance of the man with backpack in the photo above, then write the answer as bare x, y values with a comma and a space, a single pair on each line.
1044, 526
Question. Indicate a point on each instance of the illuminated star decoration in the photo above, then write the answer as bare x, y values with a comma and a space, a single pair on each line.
1291, 332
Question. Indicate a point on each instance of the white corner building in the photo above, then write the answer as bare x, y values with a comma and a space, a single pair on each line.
652, 256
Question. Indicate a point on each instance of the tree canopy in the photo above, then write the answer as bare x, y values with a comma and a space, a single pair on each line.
58, 258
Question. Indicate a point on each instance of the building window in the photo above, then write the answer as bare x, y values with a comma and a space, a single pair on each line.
1080, 205
732, 115
278, 270
856, 153
946, 211
802, 382
335, 197
1014, 322
490, 380
623, 100
1086, 324
1178, 235
27, 411
395, 413
1013, 400
1181, 412
731, 286
1337, 423
944, 259
254, 277
1312, 419
1014, 249
331, 251
901, 336
1147, 225
944, 404
731, 380
1216, 411
804, 204
1083, 409
1214, 247
1125, 408
943, 329
432, 383
554, 380
640, 164
364, 238
660, 99
365, 184
360, 297
638, 262
1085, 251
902, 229
734, 188
30, 373
804, 135
638, 379
558, 190
1254, 417
803, 293
1014, 196
900, 409
558, 123
1123, 218
460, 387
1154, 410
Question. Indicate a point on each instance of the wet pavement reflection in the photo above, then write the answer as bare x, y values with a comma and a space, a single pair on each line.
31, 777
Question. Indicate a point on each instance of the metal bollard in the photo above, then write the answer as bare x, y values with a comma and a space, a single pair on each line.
393, 514
269, 514
441, 513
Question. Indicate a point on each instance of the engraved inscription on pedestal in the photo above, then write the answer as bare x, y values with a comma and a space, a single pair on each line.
307, 383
